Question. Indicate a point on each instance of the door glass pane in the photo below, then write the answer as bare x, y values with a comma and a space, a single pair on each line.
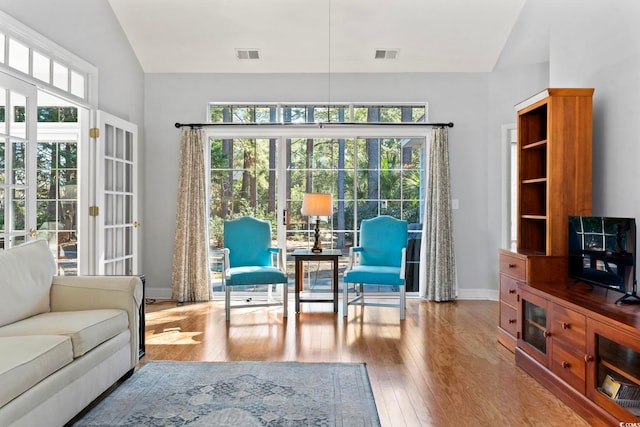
2, 208
19, 205
3, 111
57, 180
535, 325
19, 163
18, 115
3, 163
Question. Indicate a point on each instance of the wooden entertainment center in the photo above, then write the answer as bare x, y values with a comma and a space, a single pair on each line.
575, 341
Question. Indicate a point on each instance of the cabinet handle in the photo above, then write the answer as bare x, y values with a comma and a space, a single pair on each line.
512, 291
512, 266
565, 325
565, 364
546, 334
588, 358
511, 321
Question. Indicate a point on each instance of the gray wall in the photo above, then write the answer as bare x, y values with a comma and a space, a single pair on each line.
507, 87
458, 97
598, 45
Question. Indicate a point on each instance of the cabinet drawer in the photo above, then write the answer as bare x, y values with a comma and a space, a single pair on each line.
508, 290
569, 366
513, 266
568, 328
508, 319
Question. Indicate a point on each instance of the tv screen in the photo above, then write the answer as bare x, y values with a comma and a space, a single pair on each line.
602, 252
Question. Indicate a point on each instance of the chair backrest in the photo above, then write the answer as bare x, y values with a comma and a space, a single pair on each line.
248, 240
382, 239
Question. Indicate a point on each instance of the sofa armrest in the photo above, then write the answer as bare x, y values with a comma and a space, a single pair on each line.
69, 293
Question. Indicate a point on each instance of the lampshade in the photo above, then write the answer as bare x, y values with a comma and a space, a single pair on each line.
317, 204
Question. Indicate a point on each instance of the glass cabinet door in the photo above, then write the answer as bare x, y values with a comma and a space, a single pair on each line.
615, 383
534, 333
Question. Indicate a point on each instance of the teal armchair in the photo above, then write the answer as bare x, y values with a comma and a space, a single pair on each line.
249, 261
379, 260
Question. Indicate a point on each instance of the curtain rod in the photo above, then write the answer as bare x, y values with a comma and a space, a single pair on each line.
318, 124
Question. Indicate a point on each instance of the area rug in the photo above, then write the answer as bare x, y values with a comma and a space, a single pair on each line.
240, 394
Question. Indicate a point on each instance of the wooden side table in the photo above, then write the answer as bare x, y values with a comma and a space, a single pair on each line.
328, 255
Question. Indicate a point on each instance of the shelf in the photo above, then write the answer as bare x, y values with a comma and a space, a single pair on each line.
542, 180
620, 372
554, 152
535, 217
627, 360
535, 145
536, 325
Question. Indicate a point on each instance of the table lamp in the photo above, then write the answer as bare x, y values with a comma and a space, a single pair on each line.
317, 204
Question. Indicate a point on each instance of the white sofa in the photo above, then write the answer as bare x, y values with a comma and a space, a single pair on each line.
63, 340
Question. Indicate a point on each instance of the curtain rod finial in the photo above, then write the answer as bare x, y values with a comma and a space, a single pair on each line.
178, 125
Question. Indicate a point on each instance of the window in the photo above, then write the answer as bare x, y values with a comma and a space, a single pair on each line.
26, 52
310, 113
367, 176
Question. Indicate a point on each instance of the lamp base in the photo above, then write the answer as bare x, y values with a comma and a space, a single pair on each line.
317, 246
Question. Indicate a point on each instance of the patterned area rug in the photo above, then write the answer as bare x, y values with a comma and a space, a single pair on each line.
240, 394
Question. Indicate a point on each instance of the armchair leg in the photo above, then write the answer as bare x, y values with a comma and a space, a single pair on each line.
345, 299
285, 297
402, 301
227, 302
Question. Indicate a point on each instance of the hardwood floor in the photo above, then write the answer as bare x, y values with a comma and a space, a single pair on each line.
441, 366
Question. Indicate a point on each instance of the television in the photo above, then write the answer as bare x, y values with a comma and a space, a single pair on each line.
602, 252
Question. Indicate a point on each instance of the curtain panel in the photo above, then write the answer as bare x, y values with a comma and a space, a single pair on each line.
191, 276
438, 280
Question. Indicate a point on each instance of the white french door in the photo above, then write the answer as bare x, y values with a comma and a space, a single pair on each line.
18, 131
116, 197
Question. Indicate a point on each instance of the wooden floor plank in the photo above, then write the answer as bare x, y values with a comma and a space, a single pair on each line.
441, 366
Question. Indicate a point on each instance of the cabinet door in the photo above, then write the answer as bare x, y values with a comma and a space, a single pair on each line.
616, 354
533, 326
568, 356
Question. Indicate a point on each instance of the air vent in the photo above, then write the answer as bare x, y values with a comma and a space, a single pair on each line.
386, 54
247, 53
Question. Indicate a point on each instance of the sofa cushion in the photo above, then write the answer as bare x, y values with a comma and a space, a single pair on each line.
25, 361
27, 272
87, 328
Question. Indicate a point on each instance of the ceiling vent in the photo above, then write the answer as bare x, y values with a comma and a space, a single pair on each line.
387, 53
247, 53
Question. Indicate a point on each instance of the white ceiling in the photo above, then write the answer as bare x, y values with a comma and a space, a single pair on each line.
317, 36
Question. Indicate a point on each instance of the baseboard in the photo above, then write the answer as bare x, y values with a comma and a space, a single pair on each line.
463, 294
478, 294
157, 293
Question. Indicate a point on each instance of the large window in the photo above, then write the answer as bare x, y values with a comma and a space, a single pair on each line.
367, 176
